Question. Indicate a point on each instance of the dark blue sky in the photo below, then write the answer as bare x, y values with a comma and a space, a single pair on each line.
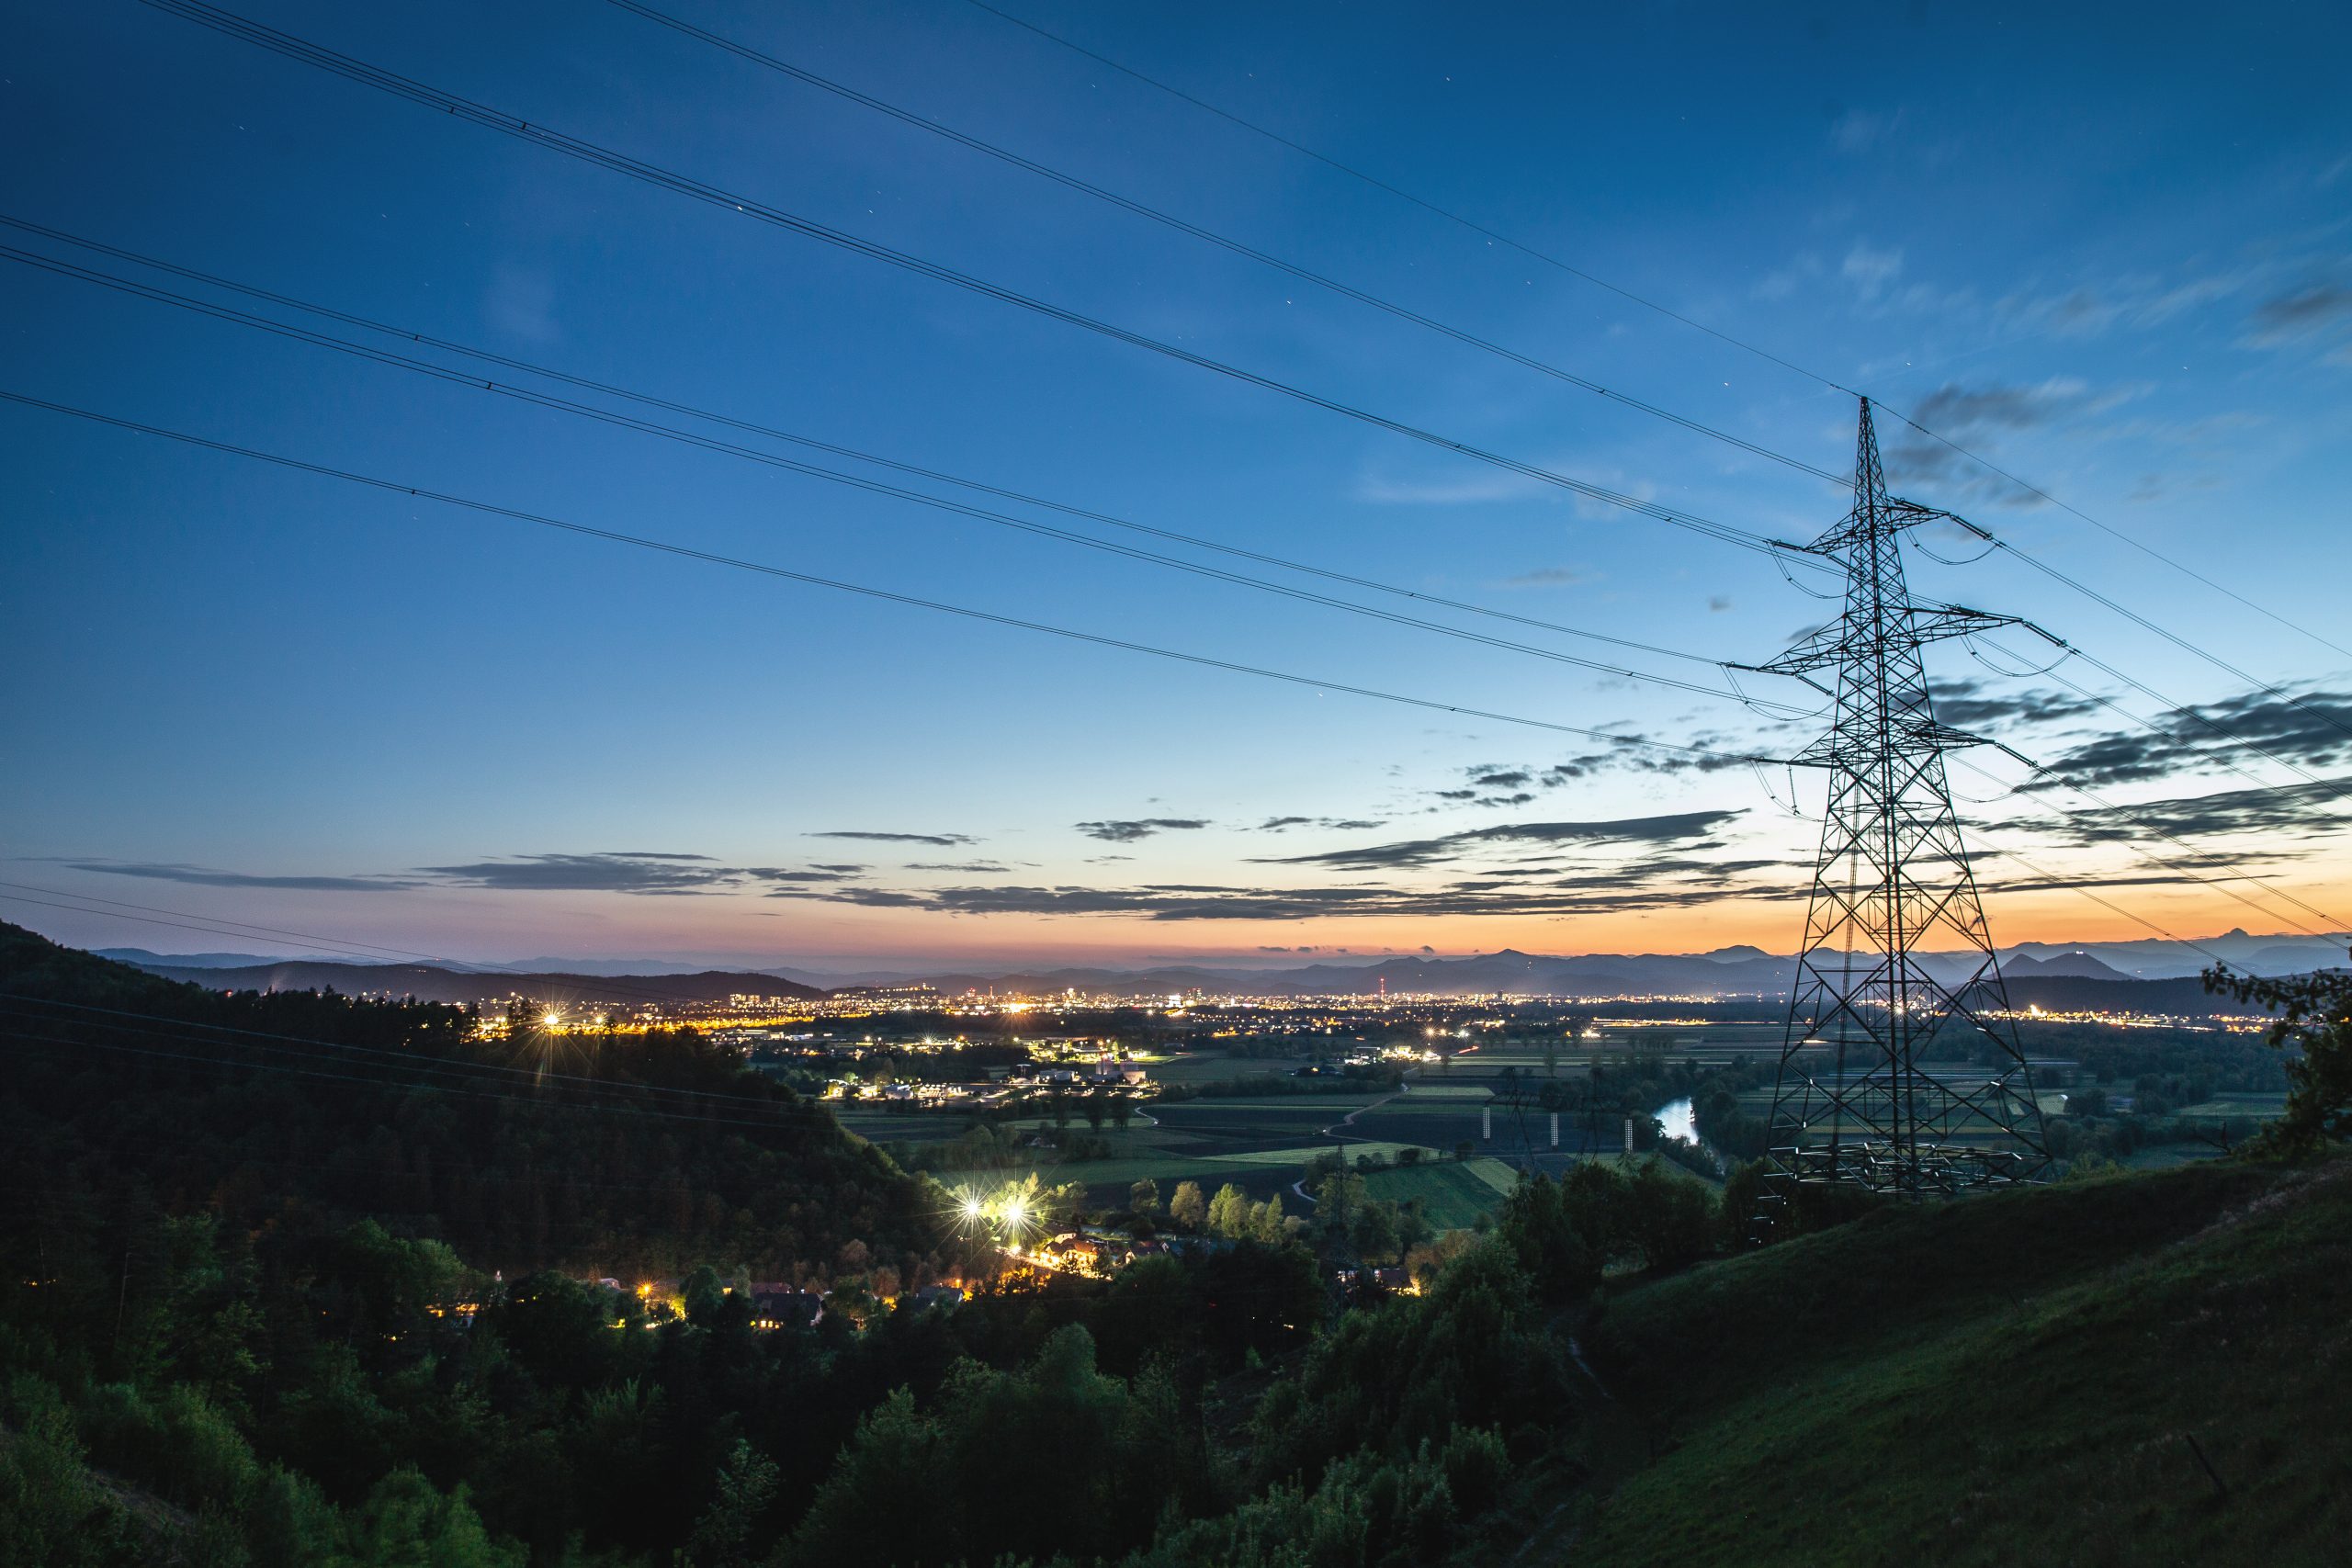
2107, 246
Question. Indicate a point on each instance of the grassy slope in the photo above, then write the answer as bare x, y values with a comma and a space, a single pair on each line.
1453, 1194
2006, 1381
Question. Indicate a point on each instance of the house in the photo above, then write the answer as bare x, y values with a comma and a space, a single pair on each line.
947, 1297
787, 1309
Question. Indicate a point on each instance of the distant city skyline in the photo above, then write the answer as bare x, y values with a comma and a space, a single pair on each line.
250, 697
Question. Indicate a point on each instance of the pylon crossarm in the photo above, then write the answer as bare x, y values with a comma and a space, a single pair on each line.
1932, 623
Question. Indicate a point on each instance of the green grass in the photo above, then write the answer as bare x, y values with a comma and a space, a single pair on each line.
1453, 1193
1472, 1091
2012, 1379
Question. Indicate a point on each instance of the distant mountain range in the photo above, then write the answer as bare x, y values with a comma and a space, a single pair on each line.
2031, 968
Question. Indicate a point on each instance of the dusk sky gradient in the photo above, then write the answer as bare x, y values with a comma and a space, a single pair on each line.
2110, 248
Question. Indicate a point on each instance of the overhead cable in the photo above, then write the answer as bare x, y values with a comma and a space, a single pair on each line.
1496, 236
884, 595
1210, 236
668, 179
630, 422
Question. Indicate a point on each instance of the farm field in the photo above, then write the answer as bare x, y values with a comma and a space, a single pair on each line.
1454, 1194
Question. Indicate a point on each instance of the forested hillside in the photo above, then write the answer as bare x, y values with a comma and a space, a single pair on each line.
295, 1279
623, 1155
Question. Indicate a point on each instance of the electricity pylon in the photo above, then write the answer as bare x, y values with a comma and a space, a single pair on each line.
1892, 1079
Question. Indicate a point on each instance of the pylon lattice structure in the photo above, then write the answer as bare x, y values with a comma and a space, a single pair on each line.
1892, 1079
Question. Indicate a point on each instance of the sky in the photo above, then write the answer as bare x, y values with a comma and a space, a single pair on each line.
2108, 249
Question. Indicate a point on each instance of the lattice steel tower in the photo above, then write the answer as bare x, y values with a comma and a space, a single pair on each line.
1892, 1079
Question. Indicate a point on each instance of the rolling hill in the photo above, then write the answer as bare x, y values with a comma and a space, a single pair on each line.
2136, 1370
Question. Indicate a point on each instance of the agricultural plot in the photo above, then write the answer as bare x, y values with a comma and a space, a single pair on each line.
1253, 1125
1454, 1194
1438, 1124
900, 1127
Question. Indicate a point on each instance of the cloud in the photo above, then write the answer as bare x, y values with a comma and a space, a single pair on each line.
197, 877
1505, 778
2314, 310
1473, 490
1614, 893
521, 300
1669, 869
1681, 828
606, 872
1869, 271
620, 872
1979, 416
1859, 130
2313, 728
1630, 758
1126, 831
1959, 410
1336, 824
2298, 811
1548, 576
942, 840
974, 866
1971, 705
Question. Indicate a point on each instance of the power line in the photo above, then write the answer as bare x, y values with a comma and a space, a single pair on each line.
816, 471
887, 595
896, 465
402, 360
191, 923
367, 952
667, 179
1210, 236
2184, 644
2218, 885
2331, 786
2148, 550
565, 405
2052, 881
1498, 237
389, 82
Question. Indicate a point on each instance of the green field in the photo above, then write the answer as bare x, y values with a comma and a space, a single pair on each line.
2015, 1378
1454, 1194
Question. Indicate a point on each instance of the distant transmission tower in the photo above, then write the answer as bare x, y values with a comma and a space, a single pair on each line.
1892, 1079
